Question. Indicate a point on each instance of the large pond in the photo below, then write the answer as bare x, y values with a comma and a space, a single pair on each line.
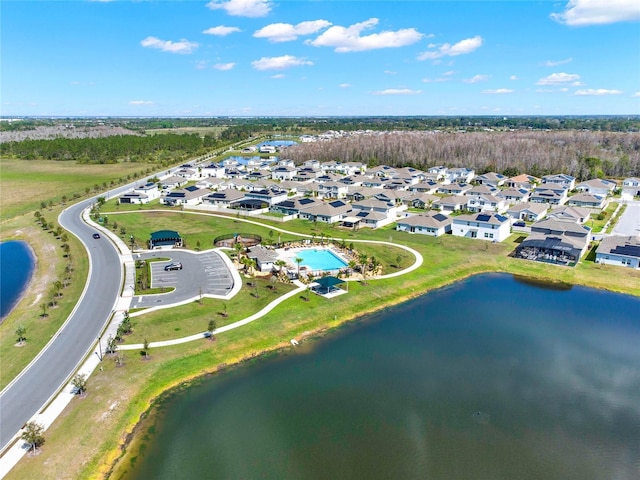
491, 378
16, 267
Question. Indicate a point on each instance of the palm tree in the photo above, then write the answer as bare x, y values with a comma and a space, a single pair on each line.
298, 260
364, 263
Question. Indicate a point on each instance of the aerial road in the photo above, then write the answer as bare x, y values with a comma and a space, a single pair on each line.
32, 389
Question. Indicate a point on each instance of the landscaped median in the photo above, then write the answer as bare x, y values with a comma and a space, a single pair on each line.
96, 427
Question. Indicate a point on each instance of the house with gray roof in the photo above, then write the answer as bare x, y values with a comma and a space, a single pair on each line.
376, 213
265, 258
185, 196
553, 194
572, 214
430, 223
597, 186
492, 179
530, 212
588, 200
483, 226
514, 195
562, 179
555, 241
486, 203
326, 212
454, 188
224, 198
619, 251
453, 203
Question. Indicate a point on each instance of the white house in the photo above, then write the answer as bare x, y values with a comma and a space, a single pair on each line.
492, 179
483, 226
553, 194
588, 200
332, 190
454, 203
265, 259
331, 212
375, 213
149, 189
514, 195
567, 181
431, 223
214, 170
486, 203
458, 175
630, 188
531, 212
597, 186
284, 172
620, 251
186, 196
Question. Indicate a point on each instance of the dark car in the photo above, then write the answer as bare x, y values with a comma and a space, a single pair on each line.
519, 224
173, 266
96, 236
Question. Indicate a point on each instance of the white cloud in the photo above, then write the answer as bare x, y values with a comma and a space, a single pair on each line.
278, 75
579, 13
636, 95
551, 90
285, 32
279, 63
436, 80
223, 67
397, 91
345, 85
597, 92
242, 8
513, 77
140, 102
348, 39
560, 79
181, 47
499, 91
465, 46
449, 73
476, 79
221, 31
555, 63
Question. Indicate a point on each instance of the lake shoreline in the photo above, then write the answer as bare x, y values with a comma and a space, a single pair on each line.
116, 458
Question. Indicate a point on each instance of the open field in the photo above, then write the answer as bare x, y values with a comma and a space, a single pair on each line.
24, 184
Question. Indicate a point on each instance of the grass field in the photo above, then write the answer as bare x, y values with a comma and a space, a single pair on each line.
24, 184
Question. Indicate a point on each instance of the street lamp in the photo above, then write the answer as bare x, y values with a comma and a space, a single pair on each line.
100, 349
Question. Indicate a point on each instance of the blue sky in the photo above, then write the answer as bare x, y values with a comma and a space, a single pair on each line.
319, 57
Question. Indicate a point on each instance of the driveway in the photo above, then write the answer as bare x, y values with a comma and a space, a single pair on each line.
203, 273
629, 222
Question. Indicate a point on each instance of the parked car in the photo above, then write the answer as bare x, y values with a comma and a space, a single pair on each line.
173, 266
96, 236
519, 224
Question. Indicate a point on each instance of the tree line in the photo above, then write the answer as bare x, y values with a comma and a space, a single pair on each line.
112, 149
583, 154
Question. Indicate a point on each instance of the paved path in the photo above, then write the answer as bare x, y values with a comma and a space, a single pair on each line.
629, 222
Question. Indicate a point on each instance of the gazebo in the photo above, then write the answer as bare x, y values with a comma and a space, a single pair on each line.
328, 286
165, 238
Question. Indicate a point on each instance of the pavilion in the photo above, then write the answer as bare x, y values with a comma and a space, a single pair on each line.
328, 286
165, 238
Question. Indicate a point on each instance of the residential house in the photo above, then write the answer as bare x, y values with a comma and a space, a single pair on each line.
567, 181
454, 203
491, 179
188, 173
483, 226
439, 171
375, 213
332, 190
454, 189
149, 189
630, 188
555, 241
620, 251
357, 194
326, 212
269, 197
430, 223
172, 182
513, 195
420, 200
572, 214
427, 186
225, 198
293, 206
553, 194
486, 203
482, 190
284, 172
528, 182
185, 196
597, 186
214, 170
530, 212
588, 200
459, 175
133, 198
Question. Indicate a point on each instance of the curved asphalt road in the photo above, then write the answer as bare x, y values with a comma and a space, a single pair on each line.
42, 379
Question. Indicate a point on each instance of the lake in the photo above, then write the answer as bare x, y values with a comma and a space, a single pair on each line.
16, 267
490, 378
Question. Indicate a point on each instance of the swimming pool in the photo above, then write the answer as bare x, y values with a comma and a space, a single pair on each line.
319, 259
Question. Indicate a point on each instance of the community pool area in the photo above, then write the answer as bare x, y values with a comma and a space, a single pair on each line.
314, 259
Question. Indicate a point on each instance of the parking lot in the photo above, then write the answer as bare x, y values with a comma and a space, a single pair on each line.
203, 273
629, 222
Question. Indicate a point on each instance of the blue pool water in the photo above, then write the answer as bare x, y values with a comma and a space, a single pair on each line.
278, 143
245, 160
315, 259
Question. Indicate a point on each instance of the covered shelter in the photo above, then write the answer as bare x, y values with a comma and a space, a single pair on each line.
165, 238
328, 286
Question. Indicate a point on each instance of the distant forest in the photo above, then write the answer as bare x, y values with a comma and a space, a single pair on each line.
583, 154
